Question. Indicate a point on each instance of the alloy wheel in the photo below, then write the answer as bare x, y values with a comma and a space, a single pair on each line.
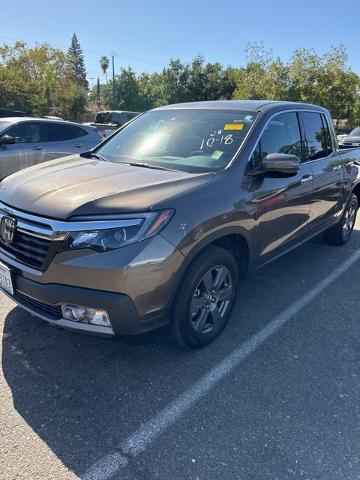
349, 219
211, 299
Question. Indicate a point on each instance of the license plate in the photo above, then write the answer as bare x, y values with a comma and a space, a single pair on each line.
5, 279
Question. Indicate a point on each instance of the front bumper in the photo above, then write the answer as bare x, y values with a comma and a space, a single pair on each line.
133, 284
44, 302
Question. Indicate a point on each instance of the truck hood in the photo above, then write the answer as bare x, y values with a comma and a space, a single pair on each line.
74, 186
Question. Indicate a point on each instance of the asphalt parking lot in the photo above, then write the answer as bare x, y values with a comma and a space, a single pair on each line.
284, 406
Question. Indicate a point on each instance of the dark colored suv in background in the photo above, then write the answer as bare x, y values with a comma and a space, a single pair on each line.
158, 223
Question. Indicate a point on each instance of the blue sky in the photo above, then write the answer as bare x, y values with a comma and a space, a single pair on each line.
147, 33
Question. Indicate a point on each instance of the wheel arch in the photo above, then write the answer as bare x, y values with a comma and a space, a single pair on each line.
233, 240
356, 191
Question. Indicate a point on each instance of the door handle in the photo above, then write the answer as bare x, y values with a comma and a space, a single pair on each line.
306, 178
37, 148
78, 145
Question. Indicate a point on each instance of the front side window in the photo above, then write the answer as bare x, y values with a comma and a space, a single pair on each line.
193, 140
316, 136
281, 135
27, 132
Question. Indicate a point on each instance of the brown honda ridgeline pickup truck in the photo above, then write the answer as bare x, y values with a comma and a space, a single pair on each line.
158, 223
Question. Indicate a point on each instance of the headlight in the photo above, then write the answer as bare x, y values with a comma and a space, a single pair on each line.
128, 231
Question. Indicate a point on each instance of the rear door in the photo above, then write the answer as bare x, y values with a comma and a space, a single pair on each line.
60, 139
327, 184
25, 152
282, 202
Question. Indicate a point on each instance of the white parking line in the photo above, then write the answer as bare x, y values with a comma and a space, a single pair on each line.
137, 442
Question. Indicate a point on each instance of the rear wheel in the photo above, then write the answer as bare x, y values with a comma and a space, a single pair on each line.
205, 298
341, 233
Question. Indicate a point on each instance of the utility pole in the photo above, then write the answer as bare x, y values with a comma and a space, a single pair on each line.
113, 78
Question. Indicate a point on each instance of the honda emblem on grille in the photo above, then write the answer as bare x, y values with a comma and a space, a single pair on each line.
8, 229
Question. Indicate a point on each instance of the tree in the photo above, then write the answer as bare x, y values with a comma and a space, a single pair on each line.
36, 80
76, 64
104, 64
126, 89
262, 77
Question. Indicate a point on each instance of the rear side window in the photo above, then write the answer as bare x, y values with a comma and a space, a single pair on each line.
281, 135
26, 132
103, 117
317, 136
118, 118
57, 132
329, 142
78, 131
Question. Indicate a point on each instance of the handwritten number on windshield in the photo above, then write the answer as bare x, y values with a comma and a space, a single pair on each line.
216, 138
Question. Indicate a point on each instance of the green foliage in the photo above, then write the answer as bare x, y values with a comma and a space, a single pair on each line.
324, 80
178, 82
43, 78
104, 64
36, 80
75, 63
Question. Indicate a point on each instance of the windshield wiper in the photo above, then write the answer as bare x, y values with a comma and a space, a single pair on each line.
148, 165
96, 155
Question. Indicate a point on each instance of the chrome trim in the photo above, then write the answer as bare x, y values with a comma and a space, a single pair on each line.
294, 111
307, 179
50, 229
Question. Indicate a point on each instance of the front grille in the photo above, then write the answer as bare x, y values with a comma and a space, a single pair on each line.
28, 249
53, 311
36, 241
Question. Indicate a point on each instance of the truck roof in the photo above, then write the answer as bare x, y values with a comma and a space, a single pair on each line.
247, 105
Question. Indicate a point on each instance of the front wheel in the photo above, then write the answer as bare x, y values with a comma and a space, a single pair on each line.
205, 299
341, 233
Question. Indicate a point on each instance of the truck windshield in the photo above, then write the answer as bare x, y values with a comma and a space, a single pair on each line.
192, 140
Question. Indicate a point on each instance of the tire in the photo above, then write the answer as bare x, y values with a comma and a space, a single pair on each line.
205, 298
341, 233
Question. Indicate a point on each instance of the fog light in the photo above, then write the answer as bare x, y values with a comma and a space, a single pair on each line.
76, 313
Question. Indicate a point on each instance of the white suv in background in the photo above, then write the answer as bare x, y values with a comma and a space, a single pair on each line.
26, 141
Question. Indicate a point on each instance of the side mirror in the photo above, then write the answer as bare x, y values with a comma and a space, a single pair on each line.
280, 163
7, 140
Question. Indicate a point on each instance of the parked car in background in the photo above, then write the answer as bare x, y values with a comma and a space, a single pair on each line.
107, 122
350, 141
158, 223
4, 112
26, 141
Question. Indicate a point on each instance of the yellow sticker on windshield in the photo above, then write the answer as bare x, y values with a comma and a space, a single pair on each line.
234, 126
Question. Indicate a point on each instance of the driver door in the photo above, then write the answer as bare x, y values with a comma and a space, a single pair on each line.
282, 202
